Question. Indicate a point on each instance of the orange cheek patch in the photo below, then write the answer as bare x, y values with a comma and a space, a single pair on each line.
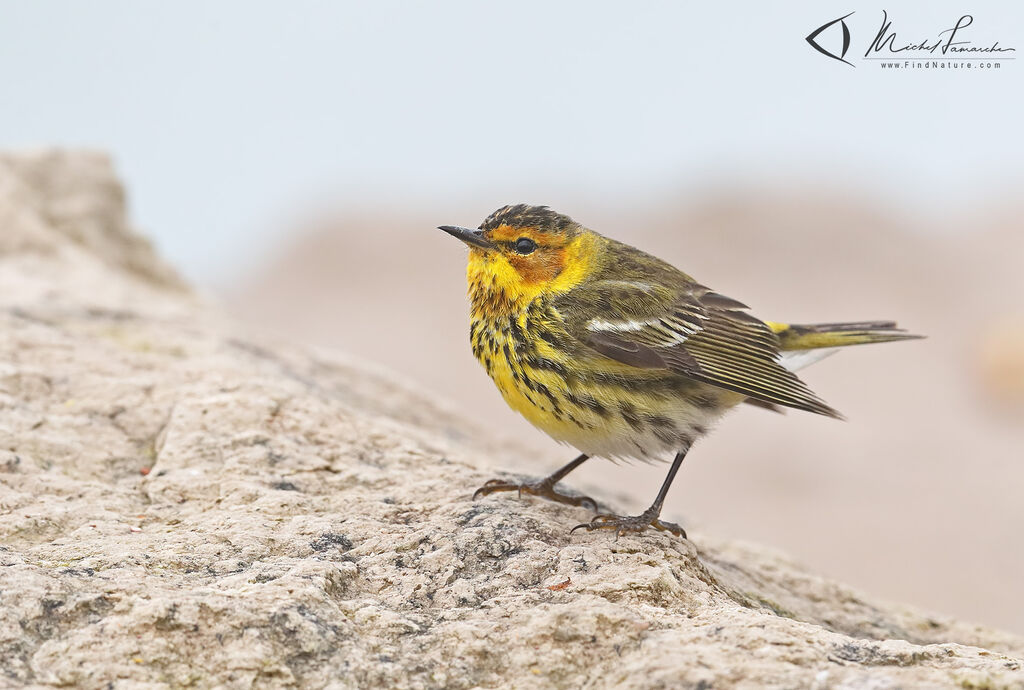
540, 267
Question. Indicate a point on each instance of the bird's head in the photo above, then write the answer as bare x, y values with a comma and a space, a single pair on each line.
521, 251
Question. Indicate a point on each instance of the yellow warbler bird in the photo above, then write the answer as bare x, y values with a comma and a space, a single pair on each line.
621, 355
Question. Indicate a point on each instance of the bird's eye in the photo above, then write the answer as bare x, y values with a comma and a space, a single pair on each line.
524, 245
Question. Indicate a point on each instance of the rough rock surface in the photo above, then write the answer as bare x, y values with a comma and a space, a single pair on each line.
181, 505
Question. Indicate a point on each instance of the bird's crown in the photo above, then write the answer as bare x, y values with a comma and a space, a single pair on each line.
540, 218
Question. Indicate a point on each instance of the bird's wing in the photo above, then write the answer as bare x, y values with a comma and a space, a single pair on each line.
689, 330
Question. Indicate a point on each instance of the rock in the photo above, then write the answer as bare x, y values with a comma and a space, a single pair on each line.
53, 201
185, 505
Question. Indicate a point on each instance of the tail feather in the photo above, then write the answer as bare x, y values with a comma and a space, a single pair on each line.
805, 344
821, 335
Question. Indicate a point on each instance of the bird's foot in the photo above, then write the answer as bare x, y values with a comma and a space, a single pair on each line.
633, 523
542, 488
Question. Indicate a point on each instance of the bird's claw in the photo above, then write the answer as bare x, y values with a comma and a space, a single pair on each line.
633, 523
541, 489
493, 485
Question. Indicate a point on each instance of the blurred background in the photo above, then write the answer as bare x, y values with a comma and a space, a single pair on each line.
293, 159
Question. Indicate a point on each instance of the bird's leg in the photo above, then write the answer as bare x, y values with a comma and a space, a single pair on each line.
649, 518
544, 488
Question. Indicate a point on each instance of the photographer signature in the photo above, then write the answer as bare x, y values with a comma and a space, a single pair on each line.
946, 42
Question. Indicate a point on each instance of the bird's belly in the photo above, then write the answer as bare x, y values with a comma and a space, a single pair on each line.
655, 432
611, 410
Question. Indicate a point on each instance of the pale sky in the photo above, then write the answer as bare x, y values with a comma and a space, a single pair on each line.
225, 118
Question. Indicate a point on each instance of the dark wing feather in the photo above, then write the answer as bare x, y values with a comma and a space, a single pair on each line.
742, 355
691, 331
764, 406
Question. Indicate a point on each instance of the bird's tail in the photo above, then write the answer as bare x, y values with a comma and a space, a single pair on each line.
814, 336
805, 344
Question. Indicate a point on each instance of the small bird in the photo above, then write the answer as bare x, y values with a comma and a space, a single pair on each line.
621, 355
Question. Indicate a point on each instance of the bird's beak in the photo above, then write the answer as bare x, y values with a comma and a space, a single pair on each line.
474, 238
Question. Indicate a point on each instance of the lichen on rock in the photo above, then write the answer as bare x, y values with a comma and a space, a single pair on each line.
182, 504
